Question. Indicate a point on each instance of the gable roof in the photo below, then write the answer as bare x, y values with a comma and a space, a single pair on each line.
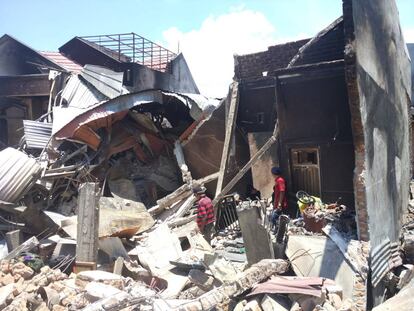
38, 59
63, 61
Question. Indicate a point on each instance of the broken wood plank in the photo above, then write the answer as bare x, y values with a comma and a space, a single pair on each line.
248, 165
181, 221
230, 126
179, 194
88, 223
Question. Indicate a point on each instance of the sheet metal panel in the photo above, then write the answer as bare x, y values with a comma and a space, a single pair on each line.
106, 81
37, 134
18, 172
384, 257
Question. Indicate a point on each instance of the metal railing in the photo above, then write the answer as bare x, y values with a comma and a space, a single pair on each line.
130, 47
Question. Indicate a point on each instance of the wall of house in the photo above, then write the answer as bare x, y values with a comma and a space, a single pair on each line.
257, 105
278, 56
14, 57
203, 150
379, 80
379, 87
178, 80
314, 113
410, 47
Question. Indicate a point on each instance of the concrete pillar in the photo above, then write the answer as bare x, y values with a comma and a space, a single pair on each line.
14, 239
256, 237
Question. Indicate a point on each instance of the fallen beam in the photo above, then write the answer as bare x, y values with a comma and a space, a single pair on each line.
230, 126
179, 194
88, 223
255, 274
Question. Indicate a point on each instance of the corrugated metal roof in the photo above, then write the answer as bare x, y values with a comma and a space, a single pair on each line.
62, 61
106, 81
37, 134
18, 172
384, 257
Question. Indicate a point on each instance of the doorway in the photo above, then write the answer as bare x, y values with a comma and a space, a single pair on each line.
305, 170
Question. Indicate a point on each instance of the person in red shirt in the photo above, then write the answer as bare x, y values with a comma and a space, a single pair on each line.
279, 195
205, 213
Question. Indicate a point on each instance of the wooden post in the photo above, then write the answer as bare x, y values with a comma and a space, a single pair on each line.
88, 225
248, 165
230, 126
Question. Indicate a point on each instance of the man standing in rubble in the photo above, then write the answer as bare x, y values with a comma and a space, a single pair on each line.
205, 213
279, 195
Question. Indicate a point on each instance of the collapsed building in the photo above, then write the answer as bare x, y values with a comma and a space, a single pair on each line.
111, 135
341, 100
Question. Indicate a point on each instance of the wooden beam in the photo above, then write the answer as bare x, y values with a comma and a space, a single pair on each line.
88, 223
179, 194
248, 165
230, 126
25, 85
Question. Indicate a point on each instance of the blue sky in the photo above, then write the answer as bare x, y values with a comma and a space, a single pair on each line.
209, 31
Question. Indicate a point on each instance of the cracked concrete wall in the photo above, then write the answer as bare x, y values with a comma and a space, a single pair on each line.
379, 88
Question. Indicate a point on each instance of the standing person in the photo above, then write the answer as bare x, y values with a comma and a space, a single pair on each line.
279, 195
205, 213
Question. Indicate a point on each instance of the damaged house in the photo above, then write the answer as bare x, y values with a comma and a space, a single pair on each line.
104, 141
93, 105
341, 100
27, 75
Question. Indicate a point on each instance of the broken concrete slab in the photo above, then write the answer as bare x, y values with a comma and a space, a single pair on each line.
117, 217
132, 219
319, 256
275, 303
84, 277
256, 238
221, 269
96, 290
201, 279
161, 247
176, 283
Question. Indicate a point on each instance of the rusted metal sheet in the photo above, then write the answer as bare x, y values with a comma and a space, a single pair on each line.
37, 134
311, 286
62, 61
78, 123
18, 172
